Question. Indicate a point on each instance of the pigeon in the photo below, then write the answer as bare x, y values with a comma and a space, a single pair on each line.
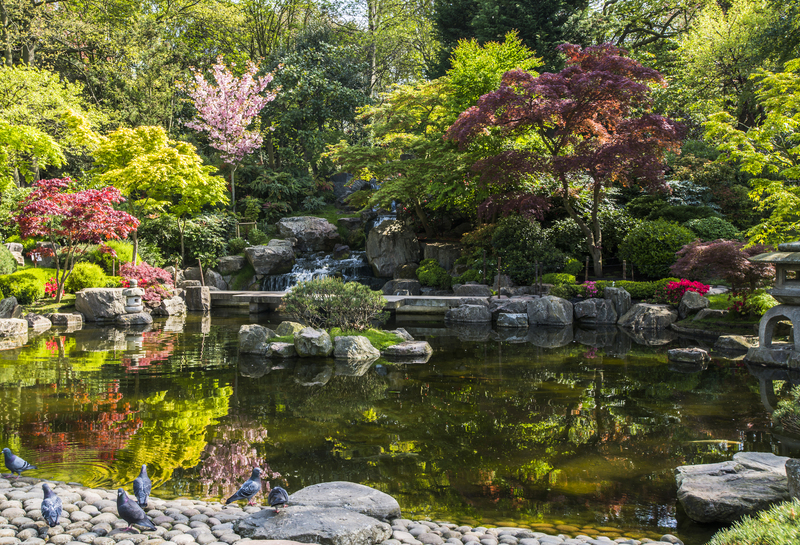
130, 512
249, 489
141, 487
277, 496
51, 506
14, 463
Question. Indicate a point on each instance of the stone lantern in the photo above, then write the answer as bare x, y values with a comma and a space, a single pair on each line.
133, 298
787, 292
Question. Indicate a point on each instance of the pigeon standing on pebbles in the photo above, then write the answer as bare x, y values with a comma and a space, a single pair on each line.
277, 496
14, 463
51, 506
141, 487
249, 489
130, 512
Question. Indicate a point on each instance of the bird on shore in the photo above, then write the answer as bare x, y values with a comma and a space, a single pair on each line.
142, 486
130, 512
51, 506
249, 489
15, 464
277, 496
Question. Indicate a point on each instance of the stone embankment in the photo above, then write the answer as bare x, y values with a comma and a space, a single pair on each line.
326, 514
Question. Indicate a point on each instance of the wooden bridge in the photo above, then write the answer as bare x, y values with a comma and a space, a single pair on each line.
269, 301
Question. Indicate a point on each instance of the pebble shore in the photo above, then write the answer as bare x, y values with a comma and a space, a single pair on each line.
90, 518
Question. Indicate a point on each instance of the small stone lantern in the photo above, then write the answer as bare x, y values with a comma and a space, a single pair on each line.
133, 298
787, 292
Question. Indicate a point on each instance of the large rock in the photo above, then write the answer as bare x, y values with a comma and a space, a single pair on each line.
100, 304
231, 264
19, 258
7, 307
550, 310
596, 311
37, 322
277, 257
312, 234
710, 314
793, 477
354, 347
726, 491
732, 343
390, 245
14, 247
688, 355
198, 298
408, 271
254, 339
691, 303
310, 341
408, 352
470, 314
405, 286
324, 526
13, 327
174, 306
445, 253
66, 320
214, 280
134, 319
281, 350
505, 319
648, 316
288, 328
352, 496
472, 289
620, 298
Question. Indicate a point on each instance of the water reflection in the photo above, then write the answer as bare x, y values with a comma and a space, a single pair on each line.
579, 426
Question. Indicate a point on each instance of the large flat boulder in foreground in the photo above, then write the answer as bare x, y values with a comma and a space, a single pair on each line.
648, 316
322, 525
727, 491
352, 496
100, 304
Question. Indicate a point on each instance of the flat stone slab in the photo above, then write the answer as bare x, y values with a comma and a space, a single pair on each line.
688, 355
325, 526
409, 352
727, 491
353, 496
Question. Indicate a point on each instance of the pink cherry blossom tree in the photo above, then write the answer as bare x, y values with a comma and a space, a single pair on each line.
226, 109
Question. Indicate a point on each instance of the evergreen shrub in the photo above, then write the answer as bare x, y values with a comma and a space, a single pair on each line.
27, 287
8, 264
85, 275
330, 302
713, 228
558, 279
430, 273
651, 247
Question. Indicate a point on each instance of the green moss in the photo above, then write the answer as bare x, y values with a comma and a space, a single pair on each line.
47, 306
378, 338
283, 339
779, 525
242, 278
328, 212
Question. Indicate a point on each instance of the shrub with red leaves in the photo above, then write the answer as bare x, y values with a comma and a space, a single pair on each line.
673, 292
155, 281
725, 259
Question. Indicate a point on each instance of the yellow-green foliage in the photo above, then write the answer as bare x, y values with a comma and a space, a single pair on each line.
27, 285
779, 525
86, 275
124, 252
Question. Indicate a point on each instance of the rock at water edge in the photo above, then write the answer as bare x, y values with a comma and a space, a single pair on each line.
691, 303
13, 327
311, 233
198, 298
354, 347
550, 310
100, 304
277, 257
648, 316
254, 339
355, 497
469, 314
620, 298
596, 311
310, 341
390, 245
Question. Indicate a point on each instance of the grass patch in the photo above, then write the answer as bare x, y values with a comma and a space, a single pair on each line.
328, 212
779, 525
719, 301
378, 338
241, 279
48, 305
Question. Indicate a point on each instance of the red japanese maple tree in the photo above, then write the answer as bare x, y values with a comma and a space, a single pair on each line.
585, 128
73, 221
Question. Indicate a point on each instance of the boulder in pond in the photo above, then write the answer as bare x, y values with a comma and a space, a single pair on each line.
134, 319
619, 297
688, 355
13, 327
324, 526
733, 343
352, 496
66, 320
470, 314
390, 245
311, 341
174, 306
402, 333
408, 352
198, 298
648, 316
7, 307
550, 310
254, 339
281, 350
100, 304
288, 328
505, 319
354, 347
596, 311
311, 234
37, 322
726, 491
277, 257
406, 286
691, 303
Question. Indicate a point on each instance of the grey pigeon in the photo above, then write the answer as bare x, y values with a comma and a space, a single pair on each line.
277, 496
51, 506
249, 489
14, 463
142, 487
130, 512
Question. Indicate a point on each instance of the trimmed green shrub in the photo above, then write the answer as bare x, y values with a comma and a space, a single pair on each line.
257, 237
683, 213
638, 290
237, 245
329, 302
85, 275
573, 267
615, 224
469, 276
26, 287
713, 229
774, 526
7, 262
558, 279
430, 273
651, 247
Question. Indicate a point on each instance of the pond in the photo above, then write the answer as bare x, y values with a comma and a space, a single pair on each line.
487, 432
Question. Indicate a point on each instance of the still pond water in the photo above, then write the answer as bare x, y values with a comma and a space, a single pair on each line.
487, 432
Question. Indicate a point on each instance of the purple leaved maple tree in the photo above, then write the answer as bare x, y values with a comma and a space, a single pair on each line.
225, 110
586, 128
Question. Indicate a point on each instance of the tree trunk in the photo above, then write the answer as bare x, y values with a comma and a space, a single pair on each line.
181, 228
8, 58
593, 235
372, 31
233, 190
135, 237
423, 218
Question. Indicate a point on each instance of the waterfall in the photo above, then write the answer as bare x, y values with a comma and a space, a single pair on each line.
321, 265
